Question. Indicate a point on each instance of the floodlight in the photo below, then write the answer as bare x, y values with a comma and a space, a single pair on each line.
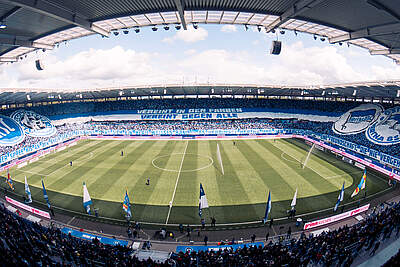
166, 27
3, 25
154, 29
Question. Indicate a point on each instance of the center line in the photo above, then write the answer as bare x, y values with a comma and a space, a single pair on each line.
176, 183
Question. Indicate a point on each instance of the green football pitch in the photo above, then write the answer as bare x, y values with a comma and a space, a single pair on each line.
176, 168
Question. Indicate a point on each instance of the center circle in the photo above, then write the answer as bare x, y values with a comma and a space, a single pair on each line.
203, 160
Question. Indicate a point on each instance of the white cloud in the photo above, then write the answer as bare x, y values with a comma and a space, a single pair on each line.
190, 52
228, 28
117, 66
384, 73
191, 35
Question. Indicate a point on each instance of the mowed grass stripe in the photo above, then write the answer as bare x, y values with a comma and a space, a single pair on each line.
53, 158
250, 178
290, 173
48, 163
315, 162
136, 172
188, 183
35, 179
274, 180
310, 179
109, 151
116, 167
307, 182
229, 184
144, 193
317, 166
208, 176
316, 154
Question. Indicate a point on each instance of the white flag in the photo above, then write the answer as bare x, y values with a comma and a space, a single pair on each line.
294, 199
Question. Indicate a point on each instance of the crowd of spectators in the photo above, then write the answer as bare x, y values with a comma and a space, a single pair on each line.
24, 243
29, 140
339, 247
287, 105
190, 103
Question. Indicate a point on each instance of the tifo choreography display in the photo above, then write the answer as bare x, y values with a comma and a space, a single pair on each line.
253, 162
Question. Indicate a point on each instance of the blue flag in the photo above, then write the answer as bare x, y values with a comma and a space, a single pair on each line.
202, 200
340, 198
45, 195
267, 208
126, 205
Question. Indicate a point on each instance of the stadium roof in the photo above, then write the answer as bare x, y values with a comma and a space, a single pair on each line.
27, 25
369, 91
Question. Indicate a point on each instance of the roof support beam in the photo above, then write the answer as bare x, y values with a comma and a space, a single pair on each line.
24, 43
8, 59
384, 8
391, 51
58, 13
180, 6
393, 28
10, 13
295, 10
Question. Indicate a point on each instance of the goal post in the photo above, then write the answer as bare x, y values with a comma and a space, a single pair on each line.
219, 158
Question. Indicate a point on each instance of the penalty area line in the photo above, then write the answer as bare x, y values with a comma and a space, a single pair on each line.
176, 183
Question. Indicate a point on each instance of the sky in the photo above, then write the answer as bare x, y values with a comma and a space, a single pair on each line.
210, 54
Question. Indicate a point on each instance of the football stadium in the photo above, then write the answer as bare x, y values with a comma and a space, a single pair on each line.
197, 173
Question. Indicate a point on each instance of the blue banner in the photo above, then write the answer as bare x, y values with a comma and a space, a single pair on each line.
87, 236
190, 249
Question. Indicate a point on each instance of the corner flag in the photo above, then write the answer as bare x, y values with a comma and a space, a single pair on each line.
267, 208
361, 185
28, 192
126, 205
340, 198
87, 201
9, 180
202, 200
45, 195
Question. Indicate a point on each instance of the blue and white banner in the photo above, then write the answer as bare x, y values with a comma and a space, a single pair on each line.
87, 236
11, 132
34, 124
233, 247
197, 114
